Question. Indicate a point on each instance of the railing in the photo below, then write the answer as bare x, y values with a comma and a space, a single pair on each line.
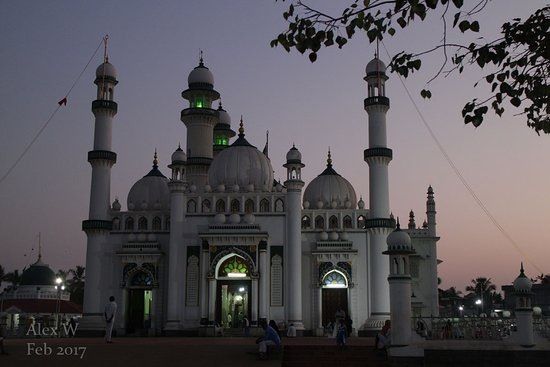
541, 325
377, 100
471, 328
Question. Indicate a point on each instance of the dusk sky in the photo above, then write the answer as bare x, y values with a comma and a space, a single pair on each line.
154, 45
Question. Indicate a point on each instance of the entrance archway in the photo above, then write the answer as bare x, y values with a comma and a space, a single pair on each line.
234, 289
334, 296
139, 302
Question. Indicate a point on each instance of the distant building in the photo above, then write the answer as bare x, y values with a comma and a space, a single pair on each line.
36, 299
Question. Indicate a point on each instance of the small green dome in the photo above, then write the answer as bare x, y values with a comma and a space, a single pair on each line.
38, 274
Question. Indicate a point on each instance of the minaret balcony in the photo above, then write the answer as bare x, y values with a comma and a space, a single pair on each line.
378, 152
102, 155
380, 223
194, 111
104, 104
97, 225
377, 100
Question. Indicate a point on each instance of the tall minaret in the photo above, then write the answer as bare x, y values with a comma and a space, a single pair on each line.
379, 224
200, 120
294, 185
99, 224
222, 130
177, 249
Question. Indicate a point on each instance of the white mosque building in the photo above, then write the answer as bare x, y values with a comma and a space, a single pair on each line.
219, 238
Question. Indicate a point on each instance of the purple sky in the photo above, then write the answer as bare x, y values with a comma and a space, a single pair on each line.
44, 46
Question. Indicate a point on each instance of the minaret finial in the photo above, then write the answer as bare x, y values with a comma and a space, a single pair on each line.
105, 55
241, 128
521, 269
397, 225
40, 246
329, 159
220, 107
155, 159
201, 61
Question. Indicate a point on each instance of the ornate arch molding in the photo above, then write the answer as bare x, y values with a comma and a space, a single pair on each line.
132, 269
233, 250
327, 267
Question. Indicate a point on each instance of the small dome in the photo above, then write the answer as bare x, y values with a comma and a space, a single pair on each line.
241, 164
399, 240
179, 155
116, 205
323, 236
207, 188
329, 189
333, 236
234, 218
344, 236
200, 75
151, 191
223, 116
106, 69
306, 204
293, 155
375, 66
522, 284
38, 274
249, 218
361, 203
219, 218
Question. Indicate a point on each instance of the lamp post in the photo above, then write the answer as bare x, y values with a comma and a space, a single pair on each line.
461, 310
59, 286
479, 302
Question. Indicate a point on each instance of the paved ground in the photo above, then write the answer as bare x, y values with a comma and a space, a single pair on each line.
196, 352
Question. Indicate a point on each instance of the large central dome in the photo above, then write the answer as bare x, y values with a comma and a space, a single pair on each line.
330, 189
241, 164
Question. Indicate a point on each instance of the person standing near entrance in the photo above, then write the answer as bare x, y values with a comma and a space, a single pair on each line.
246, 326
270, 338
229, 321
110, 312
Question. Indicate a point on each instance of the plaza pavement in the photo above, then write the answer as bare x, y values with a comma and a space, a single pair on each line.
162, 351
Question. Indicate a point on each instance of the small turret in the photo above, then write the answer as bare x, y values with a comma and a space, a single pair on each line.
412, 224
430, 211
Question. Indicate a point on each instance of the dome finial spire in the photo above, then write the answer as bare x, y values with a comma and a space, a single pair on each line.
521, 271
105, 55
40, 246
329, 159
241, 127
201, 60
397, 225
155, 159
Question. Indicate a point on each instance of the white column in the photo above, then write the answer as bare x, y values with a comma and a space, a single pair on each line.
212, 300
205, 259
524, 320
294, 258
176, 257
264, 282
379, 270
254, 311
400, 293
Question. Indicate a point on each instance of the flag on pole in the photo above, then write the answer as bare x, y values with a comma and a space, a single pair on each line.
63, 102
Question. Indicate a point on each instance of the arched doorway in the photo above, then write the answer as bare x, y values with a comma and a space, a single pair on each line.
334, 296
233, 292
139, 304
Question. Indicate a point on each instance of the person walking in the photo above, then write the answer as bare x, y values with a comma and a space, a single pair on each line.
110, 313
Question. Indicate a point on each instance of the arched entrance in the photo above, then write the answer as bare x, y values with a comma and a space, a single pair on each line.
139, 305
233, 293
334, 296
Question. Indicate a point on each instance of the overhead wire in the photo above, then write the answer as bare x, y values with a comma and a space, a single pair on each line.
461, 177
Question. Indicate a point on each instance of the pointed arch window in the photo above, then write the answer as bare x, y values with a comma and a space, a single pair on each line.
306, 222
233, 267
220, 206
157, 225
129, 224
333, 222
279, 206
249, 206
264, 206
191, 206
319, 222
235, 206
361, 222
142, 224
116, 223
334, 279
206, 206
348, 222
